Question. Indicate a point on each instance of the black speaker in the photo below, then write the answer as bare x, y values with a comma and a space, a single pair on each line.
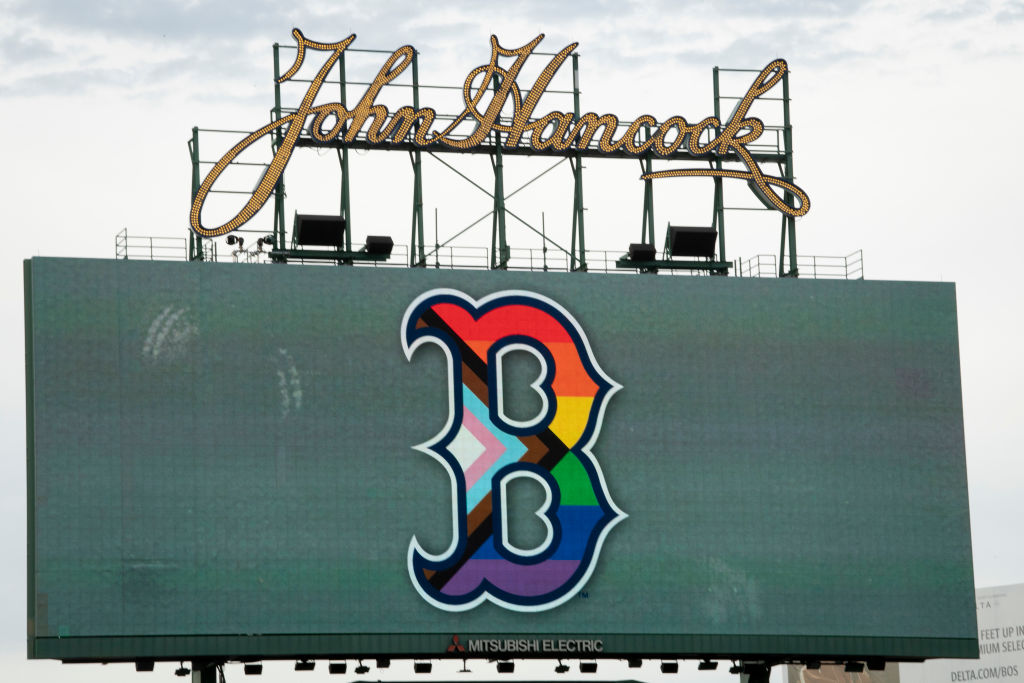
692, 241
639, 251
379, 244
324, 231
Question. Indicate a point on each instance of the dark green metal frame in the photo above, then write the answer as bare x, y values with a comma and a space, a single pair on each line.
434, 646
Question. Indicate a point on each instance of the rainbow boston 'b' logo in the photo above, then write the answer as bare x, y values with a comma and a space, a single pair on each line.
483, 449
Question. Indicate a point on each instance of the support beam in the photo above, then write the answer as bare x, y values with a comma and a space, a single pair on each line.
204, 671
346, 206
195, 244
718, 220
789, 222
499, 245
417, 252
578, 258
278, 140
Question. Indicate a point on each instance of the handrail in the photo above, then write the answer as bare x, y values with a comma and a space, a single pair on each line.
532, 259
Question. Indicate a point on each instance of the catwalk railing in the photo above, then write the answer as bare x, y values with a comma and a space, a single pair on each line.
135, 247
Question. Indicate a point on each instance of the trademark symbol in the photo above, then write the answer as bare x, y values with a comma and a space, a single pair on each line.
585, 594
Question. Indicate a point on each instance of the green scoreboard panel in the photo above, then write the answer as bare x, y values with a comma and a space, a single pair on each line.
232, 460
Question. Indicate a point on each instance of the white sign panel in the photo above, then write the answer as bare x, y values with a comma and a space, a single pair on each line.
1000, 640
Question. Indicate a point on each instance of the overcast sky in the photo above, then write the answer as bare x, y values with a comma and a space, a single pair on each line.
906, 122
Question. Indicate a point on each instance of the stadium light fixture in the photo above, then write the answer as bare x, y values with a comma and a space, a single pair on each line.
684, 240
305, 665
182, 670
362, 668
813, 665
379, 244
562, 667
876, 664
670, 667
588, 667
421, 667
324, 231
634, 662
707, 665
383, 662
144, 665
253, 669
506, 667
337, 667
854, 667
640, 251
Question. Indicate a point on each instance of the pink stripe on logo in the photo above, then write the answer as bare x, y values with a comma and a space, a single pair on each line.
493, 449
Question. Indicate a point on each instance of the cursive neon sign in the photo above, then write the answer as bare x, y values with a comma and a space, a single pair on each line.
556, 130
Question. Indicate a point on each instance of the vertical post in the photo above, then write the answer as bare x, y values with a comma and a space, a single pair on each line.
499, 247
417, 255
782, 249
718, 220
755, 673
543, 241
195, 245
647, 222
204, 671
789, 222
437, 244
346, 207
577, 171
278, 140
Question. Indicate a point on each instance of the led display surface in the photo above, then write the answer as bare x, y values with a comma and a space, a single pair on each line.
272, 460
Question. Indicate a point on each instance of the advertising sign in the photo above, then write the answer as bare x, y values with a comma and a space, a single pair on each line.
481, 123
267, 460
1000, 641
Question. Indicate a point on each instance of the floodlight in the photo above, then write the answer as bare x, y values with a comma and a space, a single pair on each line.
144, 665
641, 252
588, 667
379, 244
325, 231
670, 667
562, 667
421, 667
813, 665
383, 662
634, 662
707, 665
253, 669
506, 667
235, 239
305, 665
876, 664
692, 241
182, 670
337, 667
362, 668
854, 667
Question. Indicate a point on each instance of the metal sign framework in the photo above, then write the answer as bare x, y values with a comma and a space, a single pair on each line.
713, 141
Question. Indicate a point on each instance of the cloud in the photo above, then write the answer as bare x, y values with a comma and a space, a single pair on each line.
1011, 12
959, 12
153, 19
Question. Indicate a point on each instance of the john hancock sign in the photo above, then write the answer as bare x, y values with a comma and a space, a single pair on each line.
557, 131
